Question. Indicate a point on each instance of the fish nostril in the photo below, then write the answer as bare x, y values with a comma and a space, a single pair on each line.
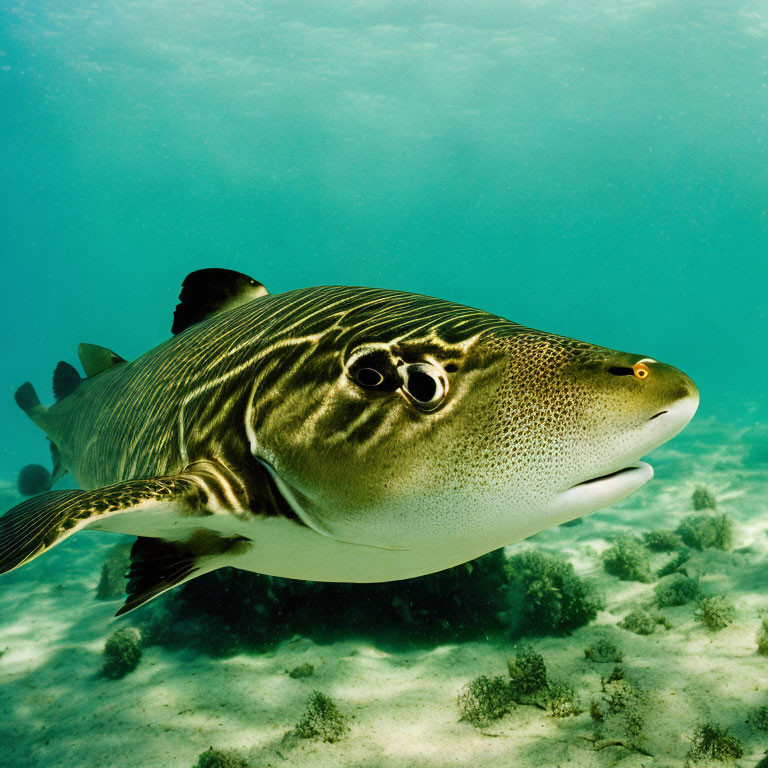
621, 371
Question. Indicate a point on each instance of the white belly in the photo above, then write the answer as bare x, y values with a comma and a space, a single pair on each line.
279, 547
282, 548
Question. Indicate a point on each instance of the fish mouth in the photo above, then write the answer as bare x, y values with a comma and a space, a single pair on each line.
596, 492
616, 473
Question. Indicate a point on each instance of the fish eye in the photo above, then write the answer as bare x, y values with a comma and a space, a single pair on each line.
371, 367
641, 370
424, 384
369, 377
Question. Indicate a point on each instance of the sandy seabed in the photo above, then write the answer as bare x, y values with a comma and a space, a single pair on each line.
56, 709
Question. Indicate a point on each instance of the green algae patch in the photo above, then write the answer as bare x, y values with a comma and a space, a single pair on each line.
703, 498
484, 700
603, 651
122, 653
712, 742
216, 758
527, 676
706, 531
676, 589
628, 559
716, 612
546, 596
322, 719
662, 540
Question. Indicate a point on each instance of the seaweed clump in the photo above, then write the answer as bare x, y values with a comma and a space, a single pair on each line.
628, 559
639, 621
757, 719
122, 653
302, 670
562, 699
603, 651
528, 676
643, 622
484, 700
706, 531
675, 565
228, 610
711, 742
661, 540
322, 719
703, 498
716, 612
762, 637
676, 589
622, 709
114, 572
546, 596
529, 684
215, 758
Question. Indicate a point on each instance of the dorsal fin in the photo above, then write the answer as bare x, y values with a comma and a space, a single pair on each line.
66, 380
96, 359
207, 292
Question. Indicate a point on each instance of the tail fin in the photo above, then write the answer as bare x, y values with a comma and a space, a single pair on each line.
27, 399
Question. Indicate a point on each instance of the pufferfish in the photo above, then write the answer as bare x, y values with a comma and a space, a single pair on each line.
337, 434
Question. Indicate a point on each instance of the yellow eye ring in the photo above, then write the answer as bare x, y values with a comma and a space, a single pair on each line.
641, 370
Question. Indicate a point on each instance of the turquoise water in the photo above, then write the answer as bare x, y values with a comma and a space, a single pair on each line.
593, 169
596, 169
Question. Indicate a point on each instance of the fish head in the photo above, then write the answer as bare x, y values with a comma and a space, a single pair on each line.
463, 430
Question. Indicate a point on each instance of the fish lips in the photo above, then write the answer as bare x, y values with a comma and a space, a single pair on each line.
598, 492
601, 491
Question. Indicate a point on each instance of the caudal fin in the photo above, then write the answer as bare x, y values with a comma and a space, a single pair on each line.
26, 398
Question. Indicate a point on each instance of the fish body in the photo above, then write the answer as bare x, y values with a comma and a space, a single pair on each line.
343, 434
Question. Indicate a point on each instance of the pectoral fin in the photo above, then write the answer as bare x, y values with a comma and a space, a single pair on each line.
41, 522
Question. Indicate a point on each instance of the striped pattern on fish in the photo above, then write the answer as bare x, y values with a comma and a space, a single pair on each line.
339, 433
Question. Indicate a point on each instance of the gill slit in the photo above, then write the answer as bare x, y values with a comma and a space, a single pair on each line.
305, 517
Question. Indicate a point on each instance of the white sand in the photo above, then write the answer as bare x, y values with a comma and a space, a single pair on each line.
57, 711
